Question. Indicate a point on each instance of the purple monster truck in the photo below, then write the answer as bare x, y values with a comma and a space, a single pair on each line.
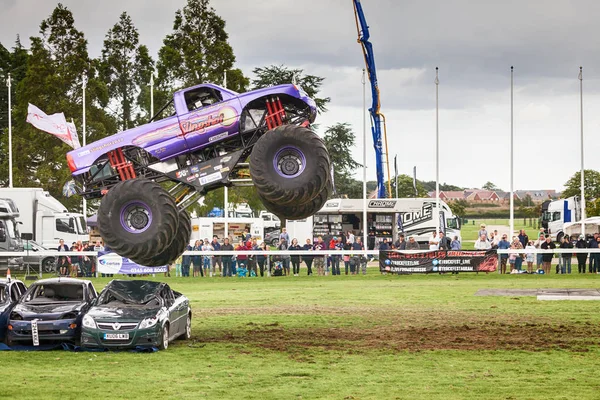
203, 144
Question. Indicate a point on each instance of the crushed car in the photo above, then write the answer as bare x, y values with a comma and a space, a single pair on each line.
11, 291
50, 312
136, 313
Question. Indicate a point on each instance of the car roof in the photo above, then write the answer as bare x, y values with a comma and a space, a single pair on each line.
61, 280
4, 281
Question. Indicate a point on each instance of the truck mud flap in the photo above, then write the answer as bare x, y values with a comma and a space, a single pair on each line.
211, 173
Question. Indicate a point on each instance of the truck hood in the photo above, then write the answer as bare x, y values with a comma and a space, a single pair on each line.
51, 311
132, 313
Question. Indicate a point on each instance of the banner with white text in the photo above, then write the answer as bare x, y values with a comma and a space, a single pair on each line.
399, 262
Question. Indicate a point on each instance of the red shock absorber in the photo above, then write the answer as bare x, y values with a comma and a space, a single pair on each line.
275, 113
121, 164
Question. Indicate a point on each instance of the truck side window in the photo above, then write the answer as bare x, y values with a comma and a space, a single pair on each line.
66, 225
202, 97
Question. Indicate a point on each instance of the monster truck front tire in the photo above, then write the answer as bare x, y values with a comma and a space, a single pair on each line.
289, 165
137, 218
175, 249
301, 211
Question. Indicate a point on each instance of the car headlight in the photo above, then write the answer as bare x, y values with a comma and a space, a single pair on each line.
148, 323
88, 322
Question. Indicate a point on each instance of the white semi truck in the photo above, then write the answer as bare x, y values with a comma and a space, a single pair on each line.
386, 218
561, 212
44, 219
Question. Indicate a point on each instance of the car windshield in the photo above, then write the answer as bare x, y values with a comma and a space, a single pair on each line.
3, 294
53, 293
131, 292
13, 231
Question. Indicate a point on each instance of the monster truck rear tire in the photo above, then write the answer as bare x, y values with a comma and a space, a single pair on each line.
293, 212
137, 218
177, 246
289, 165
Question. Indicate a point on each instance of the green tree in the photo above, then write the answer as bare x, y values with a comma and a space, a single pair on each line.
458, 207
406, 187
126, 66
591, 185
278, 75
197, 51
339, 139
430, 186
490, 186
53, 81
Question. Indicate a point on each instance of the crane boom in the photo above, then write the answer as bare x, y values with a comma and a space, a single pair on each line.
377, 118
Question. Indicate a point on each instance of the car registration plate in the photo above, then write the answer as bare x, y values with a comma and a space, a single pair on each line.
116, 336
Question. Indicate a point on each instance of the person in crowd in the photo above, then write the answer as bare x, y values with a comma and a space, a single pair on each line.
197, 260
350, 237
346, 257
178, 270
455, 244
227, 259
529, 256
445, 242
295, 259
335, 259
284, 235
597, 256
330, 246
252, 261
384, 245
547, 257
593, 244
186, 262
308, 260
581, 257
566, 257
538, 245
503, 245
207, 259
412, 244
247, 236
515, 259
241, 259
523, 238
319, 260
400, 243
482, 231
482, 243
560, 259
285, 258
216, 260
363, 259
76, 261
262, 258
434, 242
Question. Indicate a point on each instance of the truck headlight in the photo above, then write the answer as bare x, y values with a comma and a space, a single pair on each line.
88, 322
148, 323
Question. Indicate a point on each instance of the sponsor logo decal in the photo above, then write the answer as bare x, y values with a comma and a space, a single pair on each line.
182, 173
107, 144
217, 176
226, 116
332, 204
219, 136
192, 178
382, 203
83, 153
415, 217
195, 169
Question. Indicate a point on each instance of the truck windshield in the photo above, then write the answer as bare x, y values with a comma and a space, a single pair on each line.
12, 229
82, 226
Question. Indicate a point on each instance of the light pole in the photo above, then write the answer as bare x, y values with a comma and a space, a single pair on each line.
582, 170
84, 86
152, 95
10, 168
365, 227
512, 195
437, 152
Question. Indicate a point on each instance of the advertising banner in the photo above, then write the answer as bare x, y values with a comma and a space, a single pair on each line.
112, 263
400, 262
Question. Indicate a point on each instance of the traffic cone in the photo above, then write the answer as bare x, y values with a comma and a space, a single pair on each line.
8, 274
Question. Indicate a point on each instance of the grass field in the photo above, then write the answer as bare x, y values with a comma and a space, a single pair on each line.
347, 337
469, 230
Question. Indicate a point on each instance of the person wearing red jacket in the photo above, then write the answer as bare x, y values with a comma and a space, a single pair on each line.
242, 258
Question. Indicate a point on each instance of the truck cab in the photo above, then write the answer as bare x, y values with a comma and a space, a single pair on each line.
10, 238
560, 212
270, 220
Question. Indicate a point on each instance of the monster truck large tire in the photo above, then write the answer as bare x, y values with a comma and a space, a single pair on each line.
137, 218
289, 165
302, 211
177, 246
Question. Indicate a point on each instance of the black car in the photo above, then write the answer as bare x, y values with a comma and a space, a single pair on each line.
136, 313
11, 291
50, 311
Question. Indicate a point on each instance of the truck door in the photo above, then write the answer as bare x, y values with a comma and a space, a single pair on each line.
210, 115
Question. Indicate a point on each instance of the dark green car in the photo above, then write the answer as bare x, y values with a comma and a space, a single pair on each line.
136, 314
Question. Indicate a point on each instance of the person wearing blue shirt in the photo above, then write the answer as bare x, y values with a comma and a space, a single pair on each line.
503, 245
455, 245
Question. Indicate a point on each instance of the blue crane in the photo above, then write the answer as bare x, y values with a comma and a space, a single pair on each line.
377, 118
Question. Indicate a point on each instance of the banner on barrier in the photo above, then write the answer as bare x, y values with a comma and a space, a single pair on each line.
112, 263
399, 262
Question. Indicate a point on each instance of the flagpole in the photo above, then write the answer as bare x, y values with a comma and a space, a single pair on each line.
152, 94
10, 168
582, 170
396, 172
437, 152
512, 193
365, 227
226, 190
84, 86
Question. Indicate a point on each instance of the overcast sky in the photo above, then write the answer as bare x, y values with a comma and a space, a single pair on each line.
473, 43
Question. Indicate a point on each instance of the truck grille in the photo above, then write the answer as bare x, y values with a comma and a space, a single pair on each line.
117, 326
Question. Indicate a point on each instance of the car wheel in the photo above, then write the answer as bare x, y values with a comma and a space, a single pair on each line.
164, 341
275, 242
49, 265
8, 341
187, 334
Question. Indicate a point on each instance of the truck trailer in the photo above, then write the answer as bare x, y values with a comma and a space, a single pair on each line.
44, 219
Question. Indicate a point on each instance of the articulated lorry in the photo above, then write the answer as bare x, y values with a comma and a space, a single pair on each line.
557, 213
44, 219
10, 238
